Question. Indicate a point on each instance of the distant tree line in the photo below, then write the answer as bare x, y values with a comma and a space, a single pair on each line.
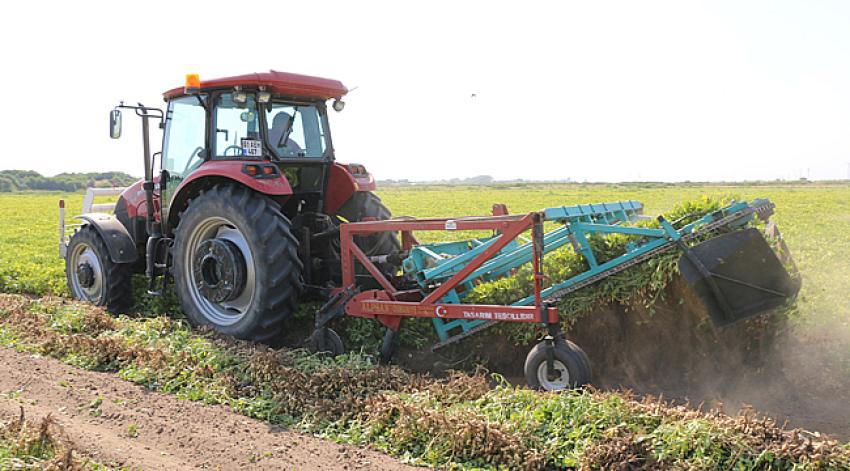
476, 180
26, 180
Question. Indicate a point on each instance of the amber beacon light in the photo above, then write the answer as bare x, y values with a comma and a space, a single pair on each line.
193, 83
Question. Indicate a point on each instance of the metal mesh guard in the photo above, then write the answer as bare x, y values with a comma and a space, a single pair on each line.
747, 272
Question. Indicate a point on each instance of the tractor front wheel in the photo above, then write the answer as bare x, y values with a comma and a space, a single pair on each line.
236, 265
92, 276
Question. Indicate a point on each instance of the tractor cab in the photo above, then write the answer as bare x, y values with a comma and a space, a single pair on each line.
274, 117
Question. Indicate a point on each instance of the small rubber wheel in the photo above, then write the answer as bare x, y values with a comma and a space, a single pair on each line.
585, 361
388, 346
325, 341
569, 368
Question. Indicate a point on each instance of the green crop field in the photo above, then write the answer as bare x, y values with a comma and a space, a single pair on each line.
815, 220
430, 421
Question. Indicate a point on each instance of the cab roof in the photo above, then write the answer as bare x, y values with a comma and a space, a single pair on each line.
279, 83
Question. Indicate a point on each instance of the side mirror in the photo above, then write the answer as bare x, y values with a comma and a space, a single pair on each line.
115, 124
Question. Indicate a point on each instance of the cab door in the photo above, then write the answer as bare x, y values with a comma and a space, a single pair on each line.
184, 145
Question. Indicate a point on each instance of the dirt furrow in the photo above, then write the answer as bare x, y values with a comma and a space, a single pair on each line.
117, 422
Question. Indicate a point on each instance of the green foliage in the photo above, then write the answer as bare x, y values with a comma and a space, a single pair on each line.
640, 285
29, 243
457, 422
351, 400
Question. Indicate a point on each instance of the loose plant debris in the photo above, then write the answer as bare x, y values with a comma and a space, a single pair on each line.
459, 421
39, 445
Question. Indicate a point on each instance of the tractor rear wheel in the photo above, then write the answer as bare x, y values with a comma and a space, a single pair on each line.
366, 206
93, 277
236, 265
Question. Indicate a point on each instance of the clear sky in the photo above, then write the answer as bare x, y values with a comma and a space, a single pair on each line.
593, 90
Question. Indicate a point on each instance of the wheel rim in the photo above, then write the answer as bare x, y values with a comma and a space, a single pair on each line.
227, 312
561, 380
83, 255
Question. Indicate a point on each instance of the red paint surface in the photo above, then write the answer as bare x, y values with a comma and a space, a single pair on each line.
342, 184
281, 83
134, 196
232, 169
388, 307
376, 304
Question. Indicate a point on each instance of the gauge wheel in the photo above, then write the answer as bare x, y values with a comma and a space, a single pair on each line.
570, 367
325, 341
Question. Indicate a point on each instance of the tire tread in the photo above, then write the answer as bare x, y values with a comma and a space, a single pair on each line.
282, 283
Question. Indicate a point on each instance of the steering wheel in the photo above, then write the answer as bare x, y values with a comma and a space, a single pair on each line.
235, 147
195, 153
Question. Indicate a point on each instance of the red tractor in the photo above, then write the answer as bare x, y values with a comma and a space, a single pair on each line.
244, 211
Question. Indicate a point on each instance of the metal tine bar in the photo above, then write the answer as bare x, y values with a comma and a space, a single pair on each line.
596, 270
460, 260
514, 258
519, 256
498, 243
587, 211
641, 250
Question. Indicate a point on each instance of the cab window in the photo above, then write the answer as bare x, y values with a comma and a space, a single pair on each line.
184, 136
295, 130
236, 127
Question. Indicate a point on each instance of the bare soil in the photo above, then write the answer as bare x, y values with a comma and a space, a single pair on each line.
170, 433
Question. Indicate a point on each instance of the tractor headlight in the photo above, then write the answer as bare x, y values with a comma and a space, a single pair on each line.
264, 97
240, 97
338, 105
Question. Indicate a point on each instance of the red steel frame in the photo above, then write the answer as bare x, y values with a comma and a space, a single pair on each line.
389, 305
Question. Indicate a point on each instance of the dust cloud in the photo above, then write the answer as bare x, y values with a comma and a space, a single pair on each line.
794, 368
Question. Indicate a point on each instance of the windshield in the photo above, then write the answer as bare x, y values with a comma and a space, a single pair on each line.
295, 130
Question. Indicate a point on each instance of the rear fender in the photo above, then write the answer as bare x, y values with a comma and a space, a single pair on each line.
118, 242
343, 181
221, 172
232, 169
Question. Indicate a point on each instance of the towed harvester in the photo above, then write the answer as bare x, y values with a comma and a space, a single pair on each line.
250, 213
734, 271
